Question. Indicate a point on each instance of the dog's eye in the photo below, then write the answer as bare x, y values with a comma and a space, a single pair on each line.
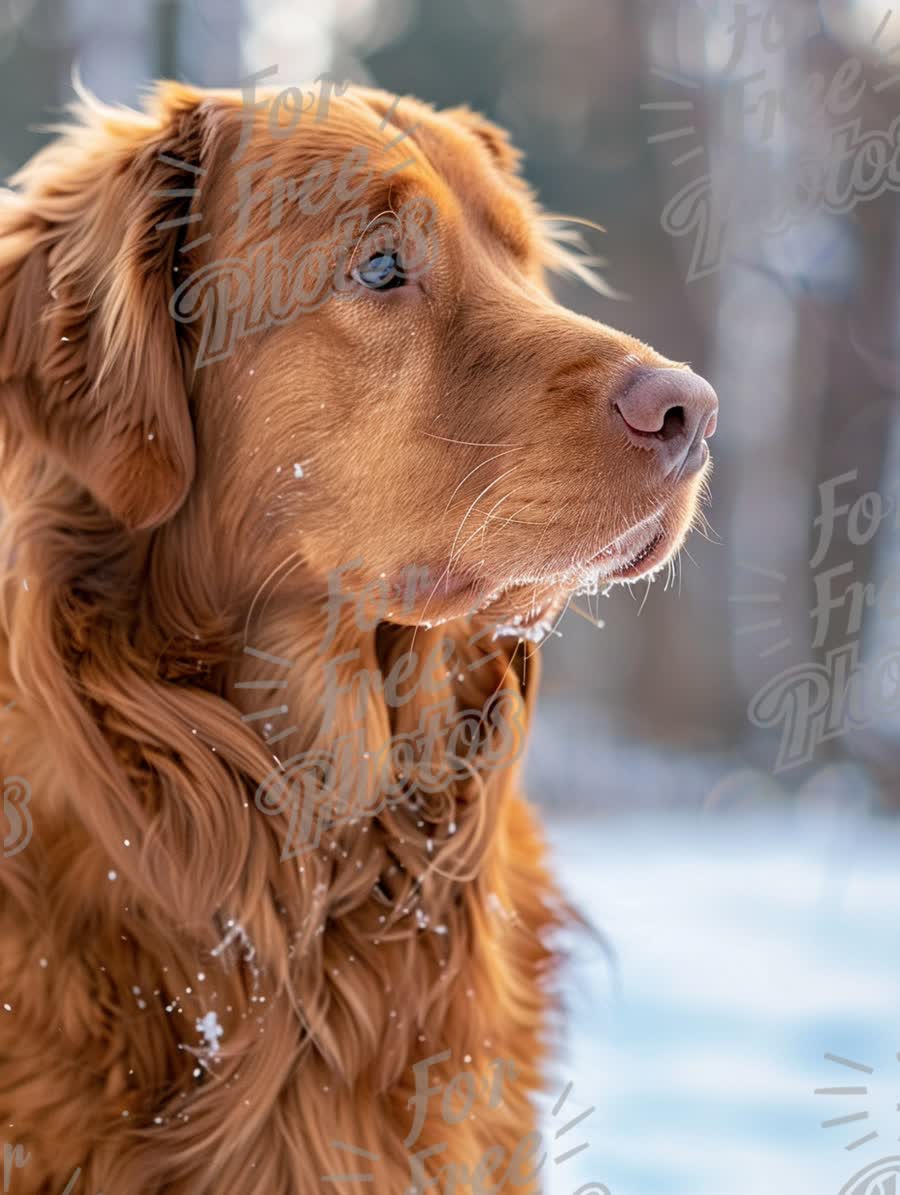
381, 272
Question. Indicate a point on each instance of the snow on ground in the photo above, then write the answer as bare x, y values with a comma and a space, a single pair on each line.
749, 947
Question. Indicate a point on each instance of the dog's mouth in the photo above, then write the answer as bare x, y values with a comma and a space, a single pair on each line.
639, 563
526, 602
638, 553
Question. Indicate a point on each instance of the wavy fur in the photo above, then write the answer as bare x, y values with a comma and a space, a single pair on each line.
122, 641
159, 520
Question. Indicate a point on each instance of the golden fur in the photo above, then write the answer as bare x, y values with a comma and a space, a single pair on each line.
154, 525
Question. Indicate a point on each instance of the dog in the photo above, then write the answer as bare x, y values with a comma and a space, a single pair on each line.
262, 531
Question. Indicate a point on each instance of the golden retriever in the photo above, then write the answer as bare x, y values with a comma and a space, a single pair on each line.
298, 451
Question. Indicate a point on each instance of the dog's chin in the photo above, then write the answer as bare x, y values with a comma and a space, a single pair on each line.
525, 602
527, 608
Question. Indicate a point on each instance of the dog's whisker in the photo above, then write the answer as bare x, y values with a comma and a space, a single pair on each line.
595, 622
478, 530
515, 518
425, 607
553, 632
450, 561
287, 560
472, 443
499, 686
488, 487
495, 457
281, 581
490, 515
689, 556
464, 545
511, 519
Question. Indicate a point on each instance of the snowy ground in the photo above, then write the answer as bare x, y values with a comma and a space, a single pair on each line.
749, 947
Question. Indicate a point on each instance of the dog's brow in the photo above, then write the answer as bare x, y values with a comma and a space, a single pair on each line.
507, 223
489, 195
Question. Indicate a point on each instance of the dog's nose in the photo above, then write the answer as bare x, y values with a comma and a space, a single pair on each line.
671, 412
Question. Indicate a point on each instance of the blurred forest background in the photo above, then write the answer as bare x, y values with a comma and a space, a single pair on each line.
748, 945
620, 105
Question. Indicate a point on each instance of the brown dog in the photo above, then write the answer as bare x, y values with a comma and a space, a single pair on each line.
258, 473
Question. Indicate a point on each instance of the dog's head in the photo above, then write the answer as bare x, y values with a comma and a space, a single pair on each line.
232, 354
335, 334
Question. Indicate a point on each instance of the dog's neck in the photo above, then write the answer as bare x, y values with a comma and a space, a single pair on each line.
360, 719
152, 762
156, 697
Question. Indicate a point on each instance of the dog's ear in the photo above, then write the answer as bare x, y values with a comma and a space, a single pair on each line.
91, 366
495, 139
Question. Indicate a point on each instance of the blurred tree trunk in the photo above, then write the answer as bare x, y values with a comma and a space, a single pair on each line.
682, 686
859, 409
31, 84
